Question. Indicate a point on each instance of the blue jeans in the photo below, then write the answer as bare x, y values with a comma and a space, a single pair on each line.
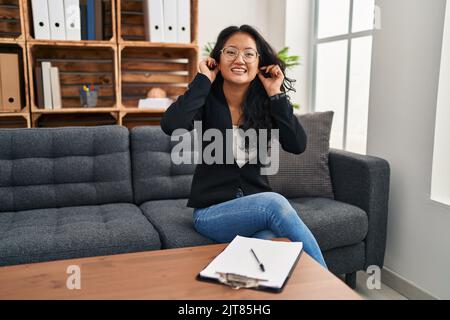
262, 215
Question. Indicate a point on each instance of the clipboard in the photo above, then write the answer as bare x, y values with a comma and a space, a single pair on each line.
238, 281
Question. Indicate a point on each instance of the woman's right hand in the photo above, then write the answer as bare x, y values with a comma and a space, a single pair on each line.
209, 68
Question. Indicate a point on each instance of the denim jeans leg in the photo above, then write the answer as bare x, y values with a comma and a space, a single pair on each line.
265, 234
251, 214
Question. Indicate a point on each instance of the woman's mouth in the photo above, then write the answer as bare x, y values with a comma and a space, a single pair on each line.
238, 71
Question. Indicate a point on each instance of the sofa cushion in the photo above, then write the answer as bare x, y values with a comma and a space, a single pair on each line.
72, 232
61, 167
155, 176
307, 174
174, 223
333, 223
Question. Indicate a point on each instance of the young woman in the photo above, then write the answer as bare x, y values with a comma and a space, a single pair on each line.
241, 86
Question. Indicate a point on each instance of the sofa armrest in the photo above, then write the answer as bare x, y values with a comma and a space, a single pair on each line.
363, 181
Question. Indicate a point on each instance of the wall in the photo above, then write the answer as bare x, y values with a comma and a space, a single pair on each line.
404, 85
298, 26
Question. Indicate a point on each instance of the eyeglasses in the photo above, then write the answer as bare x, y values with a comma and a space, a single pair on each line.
231, 54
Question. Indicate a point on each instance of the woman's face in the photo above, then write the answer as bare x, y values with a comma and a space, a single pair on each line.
239, 71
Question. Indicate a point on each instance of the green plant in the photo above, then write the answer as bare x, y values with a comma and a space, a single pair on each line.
290, 61
208, 48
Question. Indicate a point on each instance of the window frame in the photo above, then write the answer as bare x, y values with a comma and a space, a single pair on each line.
349, 36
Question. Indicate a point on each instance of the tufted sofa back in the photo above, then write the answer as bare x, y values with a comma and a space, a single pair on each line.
155, 176
61, 167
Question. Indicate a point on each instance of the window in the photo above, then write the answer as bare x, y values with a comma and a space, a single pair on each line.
440, 179
342, 60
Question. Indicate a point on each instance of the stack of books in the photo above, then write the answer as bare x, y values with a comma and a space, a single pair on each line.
48, 88
68, 19
167, 20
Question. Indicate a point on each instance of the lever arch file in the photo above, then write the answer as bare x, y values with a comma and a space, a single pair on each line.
57, 20
41, 21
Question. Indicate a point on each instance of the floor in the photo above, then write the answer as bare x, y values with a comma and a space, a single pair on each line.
385, 293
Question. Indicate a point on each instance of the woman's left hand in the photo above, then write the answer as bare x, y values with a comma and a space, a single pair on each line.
272, 84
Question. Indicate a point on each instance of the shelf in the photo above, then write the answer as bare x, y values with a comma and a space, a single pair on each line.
161, 45
11, 41
73, 119
131, 26
78, 65
18, 48
15, 120
109, 29
139, 110
123, 67
145, 68
11, 21
73, 43
74, 110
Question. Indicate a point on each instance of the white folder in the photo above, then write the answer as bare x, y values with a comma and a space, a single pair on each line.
154, 20
40, 19
72, 18
56, 88
170, 20
47, 85
57, 23
184, 21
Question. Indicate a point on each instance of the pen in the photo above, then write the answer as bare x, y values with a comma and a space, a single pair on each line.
261, 266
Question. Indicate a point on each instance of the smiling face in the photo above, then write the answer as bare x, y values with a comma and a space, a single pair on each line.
239, 71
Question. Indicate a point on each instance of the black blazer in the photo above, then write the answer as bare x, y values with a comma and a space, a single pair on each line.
216, 183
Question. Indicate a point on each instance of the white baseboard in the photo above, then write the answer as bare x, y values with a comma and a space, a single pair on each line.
404, 286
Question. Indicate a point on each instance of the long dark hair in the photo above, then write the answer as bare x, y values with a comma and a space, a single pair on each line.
256, 104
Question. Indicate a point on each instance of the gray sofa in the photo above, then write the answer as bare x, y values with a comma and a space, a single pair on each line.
89, 191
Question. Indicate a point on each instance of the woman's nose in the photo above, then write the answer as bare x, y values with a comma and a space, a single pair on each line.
240, 59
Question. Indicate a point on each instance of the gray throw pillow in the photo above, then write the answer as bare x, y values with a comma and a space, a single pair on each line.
307, 174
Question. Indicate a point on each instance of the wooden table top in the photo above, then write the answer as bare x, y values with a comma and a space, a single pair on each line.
163, 274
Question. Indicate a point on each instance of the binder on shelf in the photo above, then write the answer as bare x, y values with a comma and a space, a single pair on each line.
40, 19
57, 21
73, 19
170, 20
56, 88
99, 20
46, 84
154, 20
254, 263
10, 82
83, 19
90, 19
39, 87
184, 21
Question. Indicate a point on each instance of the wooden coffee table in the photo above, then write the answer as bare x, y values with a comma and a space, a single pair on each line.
164, 274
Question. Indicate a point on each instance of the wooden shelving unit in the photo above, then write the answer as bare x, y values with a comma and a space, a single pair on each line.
144, 65
78, 63
12, 40
123, 66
